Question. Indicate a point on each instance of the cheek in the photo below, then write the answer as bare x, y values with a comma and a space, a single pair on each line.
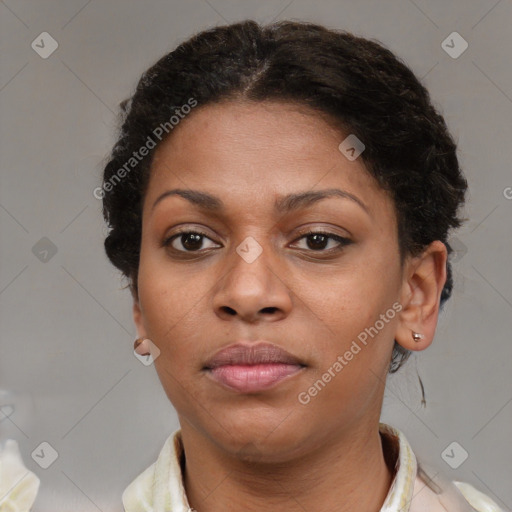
353, 344
348, 395
352, 317
347, 300
168, 301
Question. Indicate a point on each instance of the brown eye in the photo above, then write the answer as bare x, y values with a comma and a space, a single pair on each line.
190, 241
319, 241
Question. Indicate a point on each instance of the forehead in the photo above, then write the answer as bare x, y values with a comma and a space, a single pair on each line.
252, 152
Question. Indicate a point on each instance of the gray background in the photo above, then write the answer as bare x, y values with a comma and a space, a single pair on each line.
68, 375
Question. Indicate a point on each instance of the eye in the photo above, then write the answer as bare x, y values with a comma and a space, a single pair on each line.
319, 240
190, 241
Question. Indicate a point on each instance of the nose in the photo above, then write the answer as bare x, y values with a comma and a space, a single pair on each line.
252, 291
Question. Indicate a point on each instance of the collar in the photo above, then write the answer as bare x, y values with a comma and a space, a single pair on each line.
160, 487
400, 493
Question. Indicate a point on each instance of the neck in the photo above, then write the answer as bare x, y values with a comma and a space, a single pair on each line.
348, 473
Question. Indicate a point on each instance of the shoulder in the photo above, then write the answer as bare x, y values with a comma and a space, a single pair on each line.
418, 487
160, 483
433, 493
478, 500
139, 492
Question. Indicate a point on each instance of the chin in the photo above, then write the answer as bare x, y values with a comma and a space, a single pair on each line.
260, 439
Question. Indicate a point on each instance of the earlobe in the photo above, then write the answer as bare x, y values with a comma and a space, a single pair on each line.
424, 279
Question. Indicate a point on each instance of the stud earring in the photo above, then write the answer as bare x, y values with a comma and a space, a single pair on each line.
416, 336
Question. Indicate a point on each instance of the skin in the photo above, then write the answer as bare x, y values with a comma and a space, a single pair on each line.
255, 451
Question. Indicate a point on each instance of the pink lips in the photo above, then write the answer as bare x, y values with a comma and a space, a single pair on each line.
252, 368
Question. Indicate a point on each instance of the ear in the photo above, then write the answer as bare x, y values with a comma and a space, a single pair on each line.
424, 279
138, 319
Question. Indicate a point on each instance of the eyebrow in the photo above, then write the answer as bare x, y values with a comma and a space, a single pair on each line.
285, 204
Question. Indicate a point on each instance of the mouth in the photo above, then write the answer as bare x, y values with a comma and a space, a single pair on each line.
252, 368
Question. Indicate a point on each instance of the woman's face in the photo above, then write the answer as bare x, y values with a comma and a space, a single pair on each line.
253, 275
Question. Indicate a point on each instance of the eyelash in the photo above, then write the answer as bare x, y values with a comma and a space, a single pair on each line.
341, 240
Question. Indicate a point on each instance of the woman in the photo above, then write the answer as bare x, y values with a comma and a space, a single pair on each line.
280, 199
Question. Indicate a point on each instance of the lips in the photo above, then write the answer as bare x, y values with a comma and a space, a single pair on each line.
252, 367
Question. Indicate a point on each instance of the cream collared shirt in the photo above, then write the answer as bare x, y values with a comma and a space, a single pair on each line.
413, 489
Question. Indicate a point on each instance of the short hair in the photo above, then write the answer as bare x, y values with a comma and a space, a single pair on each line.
356, 83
